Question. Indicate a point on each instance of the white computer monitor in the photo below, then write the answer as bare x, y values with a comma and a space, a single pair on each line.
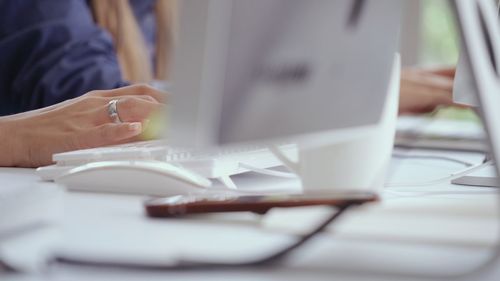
480, 63
317, 72
266, 69
480, 36
464, 90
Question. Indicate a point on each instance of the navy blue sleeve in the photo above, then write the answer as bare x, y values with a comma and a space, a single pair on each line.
50, 51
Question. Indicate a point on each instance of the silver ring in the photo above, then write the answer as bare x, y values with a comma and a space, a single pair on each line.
113, 111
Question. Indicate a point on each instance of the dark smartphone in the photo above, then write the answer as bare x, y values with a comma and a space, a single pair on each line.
203, 204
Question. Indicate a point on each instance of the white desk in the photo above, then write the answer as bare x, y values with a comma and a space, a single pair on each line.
436, 229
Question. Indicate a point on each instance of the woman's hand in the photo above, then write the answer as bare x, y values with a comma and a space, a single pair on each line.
79, 123
422, 90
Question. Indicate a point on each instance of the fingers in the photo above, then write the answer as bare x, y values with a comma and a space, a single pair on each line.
129, 108
436, 82
427, 80
446, 71
110, 133
133, 109
136, 103
134, 90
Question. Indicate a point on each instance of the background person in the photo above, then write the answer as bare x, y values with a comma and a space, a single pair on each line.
54, 50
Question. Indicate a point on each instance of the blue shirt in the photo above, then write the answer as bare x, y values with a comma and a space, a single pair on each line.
51, 51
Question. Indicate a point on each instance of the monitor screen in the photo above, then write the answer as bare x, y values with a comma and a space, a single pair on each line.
267, 69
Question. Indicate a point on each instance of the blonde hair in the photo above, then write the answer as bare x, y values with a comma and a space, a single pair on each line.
117, 17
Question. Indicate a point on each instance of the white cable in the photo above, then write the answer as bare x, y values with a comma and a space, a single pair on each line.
441, 180
432, 157
416, 194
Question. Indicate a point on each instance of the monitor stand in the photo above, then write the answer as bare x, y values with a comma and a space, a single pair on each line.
352, 159
485, 177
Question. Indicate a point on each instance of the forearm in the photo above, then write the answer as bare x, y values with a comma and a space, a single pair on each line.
10, 144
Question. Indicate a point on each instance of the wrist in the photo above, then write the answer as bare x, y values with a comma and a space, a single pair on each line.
10, 143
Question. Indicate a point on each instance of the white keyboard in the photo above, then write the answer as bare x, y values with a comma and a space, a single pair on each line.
212, 165
436, 133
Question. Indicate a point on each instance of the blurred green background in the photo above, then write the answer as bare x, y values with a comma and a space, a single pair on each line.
439, 44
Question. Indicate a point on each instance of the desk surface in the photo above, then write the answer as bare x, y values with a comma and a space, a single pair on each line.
428, 229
